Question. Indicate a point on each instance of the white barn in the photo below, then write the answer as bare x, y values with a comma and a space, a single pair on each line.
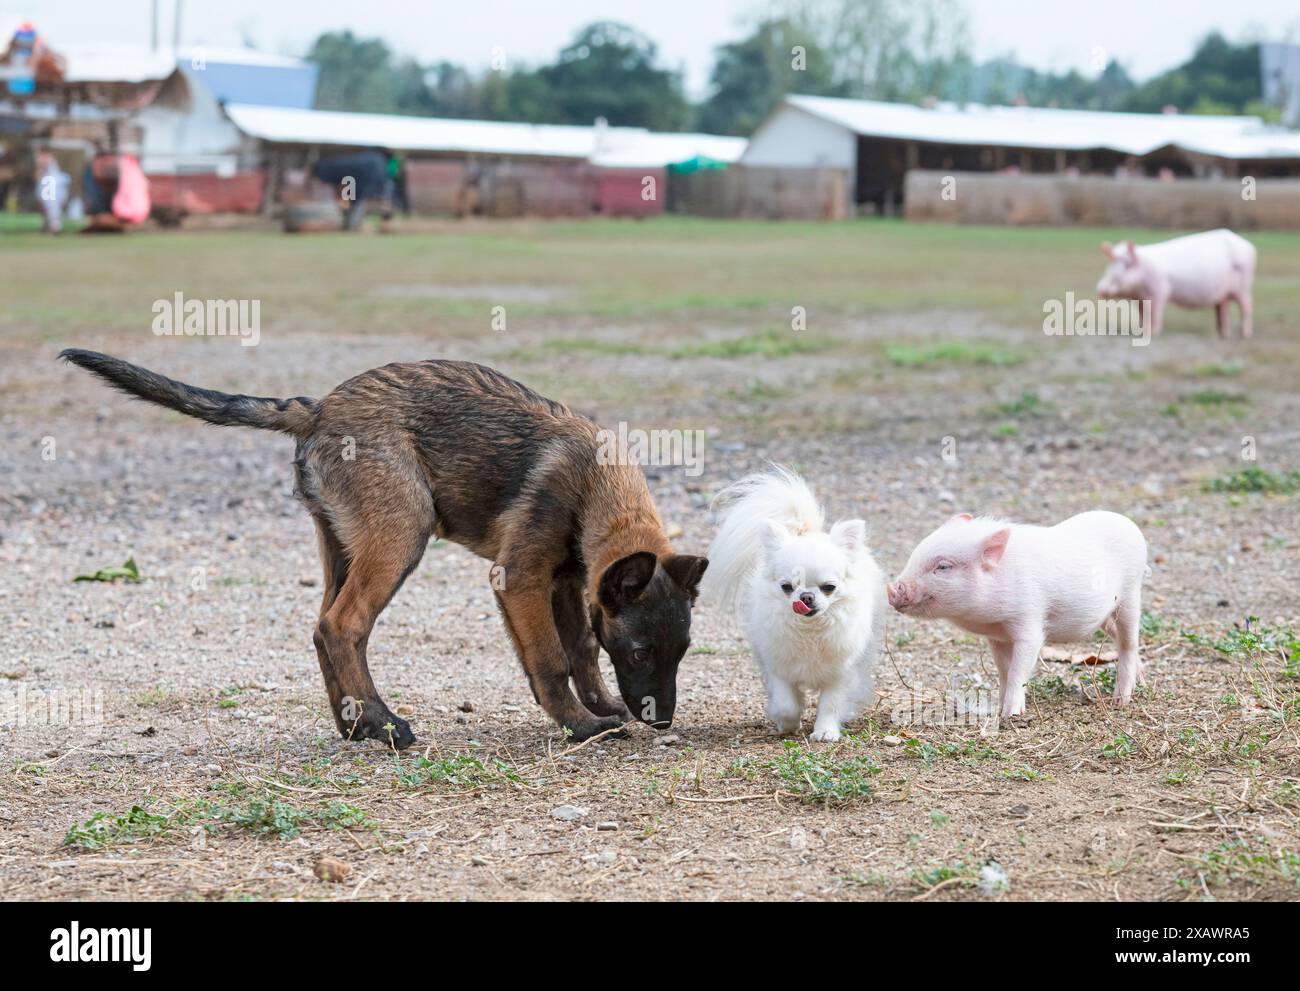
876, 144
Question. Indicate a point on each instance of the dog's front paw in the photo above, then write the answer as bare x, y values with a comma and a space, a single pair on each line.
611, 708
578, 730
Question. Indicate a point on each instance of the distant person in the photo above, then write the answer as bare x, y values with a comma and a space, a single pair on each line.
52, 187
7, 173
117, 192
397, 185
356, 179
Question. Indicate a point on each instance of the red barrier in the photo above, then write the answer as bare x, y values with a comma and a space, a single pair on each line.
209, 193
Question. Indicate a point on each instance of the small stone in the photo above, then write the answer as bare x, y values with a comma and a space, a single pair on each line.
568, 813
406, 710
478, 861
673, 530
307, 582
993, 880
893, 741
462, 719
1020, 811
669, 740
466, 706
331, 869
606, 827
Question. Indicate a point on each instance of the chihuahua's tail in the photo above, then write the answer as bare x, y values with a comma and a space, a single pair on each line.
749, 509
291, 416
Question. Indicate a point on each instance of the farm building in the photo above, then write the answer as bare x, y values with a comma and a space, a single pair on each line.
163, 107
874, 145
494, 168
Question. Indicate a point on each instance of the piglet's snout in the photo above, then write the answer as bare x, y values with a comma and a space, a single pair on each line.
897, 593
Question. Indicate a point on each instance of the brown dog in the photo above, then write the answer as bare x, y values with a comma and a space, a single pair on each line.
452, 449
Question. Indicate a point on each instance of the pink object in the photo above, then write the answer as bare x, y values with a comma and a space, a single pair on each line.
801, 608
131, 202
1210, 269
1023, 586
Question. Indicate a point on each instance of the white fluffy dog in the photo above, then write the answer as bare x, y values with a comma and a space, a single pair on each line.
810, 601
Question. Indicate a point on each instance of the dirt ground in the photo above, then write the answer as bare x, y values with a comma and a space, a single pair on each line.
921, 385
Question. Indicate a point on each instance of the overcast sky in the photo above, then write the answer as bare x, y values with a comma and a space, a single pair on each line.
1147, 36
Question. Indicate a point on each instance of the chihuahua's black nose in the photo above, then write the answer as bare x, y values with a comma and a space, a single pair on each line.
808, 599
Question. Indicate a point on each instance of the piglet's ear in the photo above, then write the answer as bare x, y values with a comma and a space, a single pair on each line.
962, 518
1108, 249
850, 535
1130, 252
994, 547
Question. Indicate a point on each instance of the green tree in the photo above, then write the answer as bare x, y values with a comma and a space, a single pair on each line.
607, 71
355, 73
1219, 77
903, 50
751, 76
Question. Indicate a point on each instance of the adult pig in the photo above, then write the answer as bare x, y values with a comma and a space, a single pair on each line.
1022, 586
1210, 269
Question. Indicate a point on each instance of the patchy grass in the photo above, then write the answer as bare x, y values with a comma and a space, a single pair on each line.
828, 777
104, 829
1251, 640
1257, 860
128, 572
1028, 404
457, 772
768, 344
1216, 398
988, 353
1256, 480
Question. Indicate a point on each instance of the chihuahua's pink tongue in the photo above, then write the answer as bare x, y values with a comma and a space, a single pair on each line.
800, 607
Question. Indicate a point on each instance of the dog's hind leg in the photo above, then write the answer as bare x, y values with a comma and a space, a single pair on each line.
335, 566
378, 566
574, 626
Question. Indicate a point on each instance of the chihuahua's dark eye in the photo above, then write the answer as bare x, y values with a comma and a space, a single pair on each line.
828, 589
787, 588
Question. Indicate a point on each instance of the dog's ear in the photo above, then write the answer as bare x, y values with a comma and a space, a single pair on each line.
850, 535
773, 536
686, 570
625, 579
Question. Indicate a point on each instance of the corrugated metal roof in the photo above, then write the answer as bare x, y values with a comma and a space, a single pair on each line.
116, 65
614, 147
327, 127
239, 56
633, 148
1068, 130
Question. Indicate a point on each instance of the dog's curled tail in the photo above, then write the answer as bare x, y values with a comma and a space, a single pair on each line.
291, 416
747, 506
